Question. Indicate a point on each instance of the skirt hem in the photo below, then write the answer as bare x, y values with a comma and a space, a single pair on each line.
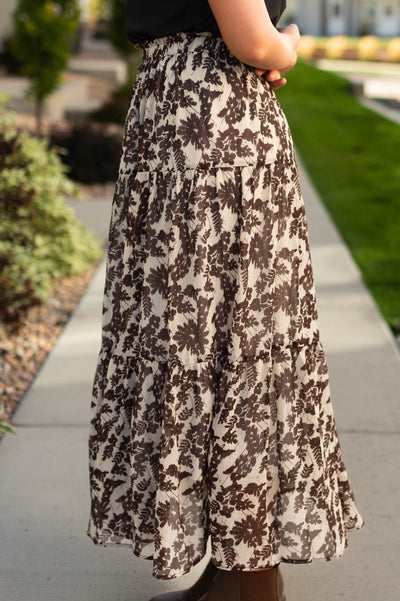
103, 543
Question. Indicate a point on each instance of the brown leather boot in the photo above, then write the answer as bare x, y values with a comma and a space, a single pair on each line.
197, 589
240, 585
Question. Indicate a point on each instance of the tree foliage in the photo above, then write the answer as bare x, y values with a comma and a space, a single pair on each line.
43, 39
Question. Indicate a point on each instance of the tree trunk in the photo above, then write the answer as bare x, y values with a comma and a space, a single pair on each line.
39, 115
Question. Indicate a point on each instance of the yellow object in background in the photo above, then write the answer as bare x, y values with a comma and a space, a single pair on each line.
337, 46
368, 47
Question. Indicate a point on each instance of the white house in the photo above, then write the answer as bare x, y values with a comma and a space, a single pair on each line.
348, 17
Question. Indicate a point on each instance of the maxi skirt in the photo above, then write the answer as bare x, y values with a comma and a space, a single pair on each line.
211, 411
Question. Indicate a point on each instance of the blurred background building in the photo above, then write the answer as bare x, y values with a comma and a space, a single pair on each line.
314, 17
347, 17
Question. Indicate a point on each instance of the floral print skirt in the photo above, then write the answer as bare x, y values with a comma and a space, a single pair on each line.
211, 412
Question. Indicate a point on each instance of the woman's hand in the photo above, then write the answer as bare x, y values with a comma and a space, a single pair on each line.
273, 77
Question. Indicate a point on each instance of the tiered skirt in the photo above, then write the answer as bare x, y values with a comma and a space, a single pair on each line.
211, 412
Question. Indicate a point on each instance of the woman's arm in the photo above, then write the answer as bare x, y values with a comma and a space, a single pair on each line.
249, 34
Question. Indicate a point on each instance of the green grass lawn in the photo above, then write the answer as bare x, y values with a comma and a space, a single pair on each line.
353, 157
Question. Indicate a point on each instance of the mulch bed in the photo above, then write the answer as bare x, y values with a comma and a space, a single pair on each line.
25, 346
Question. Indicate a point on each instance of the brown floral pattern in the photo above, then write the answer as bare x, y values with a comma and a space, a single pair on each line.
211, 412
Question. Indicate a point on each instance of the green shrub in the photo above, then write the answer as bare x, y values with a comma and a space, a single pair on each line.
116, 108
112, 111
125, 89
40, 238
5, 426
92, 153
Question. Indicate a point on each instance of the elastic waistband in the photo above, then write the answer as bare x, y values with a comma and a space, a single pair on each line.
173, 43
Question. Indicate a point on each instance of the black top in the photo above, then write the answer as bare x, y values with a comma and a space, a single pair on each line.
149, 19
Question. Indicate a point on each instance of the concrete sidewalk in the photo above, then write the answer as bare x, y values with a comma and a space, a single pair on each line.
44, 495
375, 82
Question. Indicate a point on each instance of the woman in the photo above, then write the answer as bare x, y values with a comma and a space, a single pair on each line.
211, 410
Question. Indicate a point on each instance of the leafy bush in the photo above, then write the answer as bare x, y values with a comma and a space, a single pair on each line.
92, 153
125, 89
4, 425
40, 238
112, 111
116, 108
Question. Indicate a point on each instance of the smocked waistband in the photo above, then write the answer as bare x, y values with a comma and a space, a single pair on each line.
173, 43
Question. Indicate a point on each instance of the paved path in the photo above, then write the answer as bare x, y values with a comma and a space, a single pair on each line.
45, 554
375, 81
371, 68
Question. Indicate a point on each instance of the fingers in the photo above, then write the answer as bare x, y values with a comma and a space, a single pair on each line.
273, 77
269, 75
279, 83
